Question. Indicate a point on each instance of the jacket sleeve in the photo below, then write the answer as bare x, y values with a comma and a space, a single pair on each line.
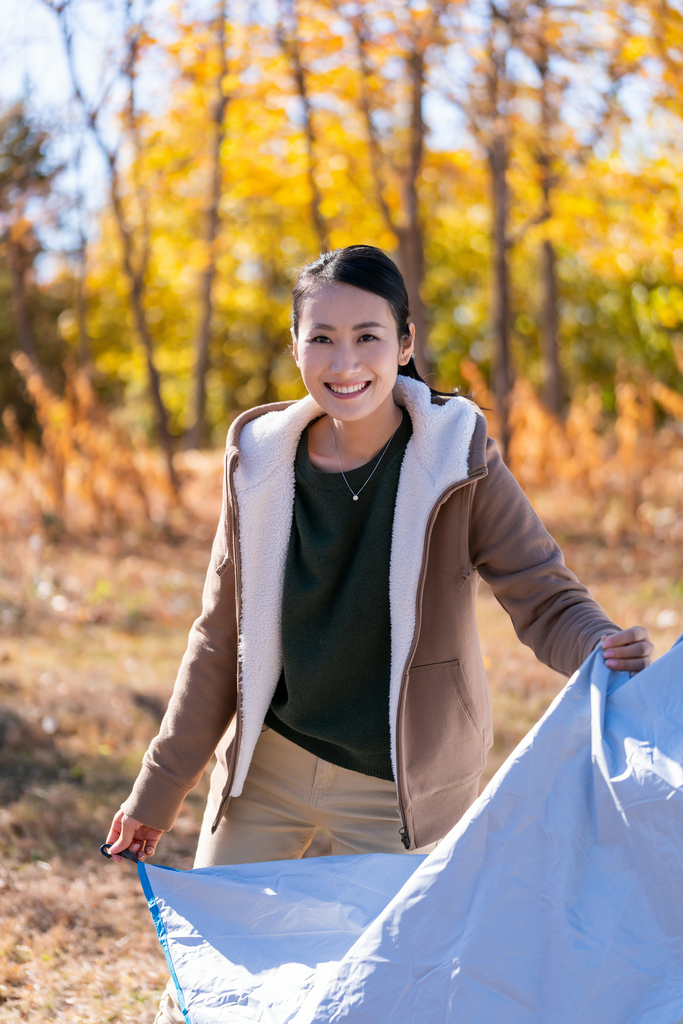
551, 611
203, 703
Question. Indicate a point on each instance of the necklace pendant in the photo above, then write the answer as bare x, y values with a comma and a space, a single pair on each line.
355, 497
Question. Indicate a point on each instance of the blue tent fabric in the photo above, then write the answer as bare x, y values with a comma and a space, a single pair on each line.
557, 899
246, 942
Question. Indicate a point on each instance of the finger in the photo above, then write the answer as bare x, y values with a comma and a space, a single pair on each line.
626, 636
639, 650
643, 647
140, 849
148, 849
124, 840
115, 830
146, 841
628, 664
624, 639
628, 653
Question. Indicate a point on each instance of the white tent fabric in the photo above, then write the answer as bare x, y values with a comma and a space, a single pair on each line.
557, 899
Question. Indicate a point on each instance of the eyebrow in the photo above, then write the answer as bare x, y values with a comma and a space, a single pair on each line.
356, 327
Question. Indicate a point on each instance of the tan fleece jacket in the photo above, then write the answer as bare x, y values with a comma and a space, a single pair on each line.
460, 515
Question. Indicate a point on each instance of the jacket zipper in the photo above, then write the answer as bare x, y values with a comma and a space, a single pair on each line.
237, 562
403, 831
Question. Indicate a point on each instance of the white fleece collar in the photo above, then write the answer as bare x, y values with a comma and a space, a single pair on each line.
436, 458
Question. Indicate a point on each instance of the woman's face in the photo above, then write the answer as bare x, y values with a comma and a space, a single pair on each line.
347, 350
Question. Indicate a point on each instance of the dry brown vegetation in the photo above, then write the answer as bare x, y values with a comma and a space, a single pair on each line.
87, 660
95, 602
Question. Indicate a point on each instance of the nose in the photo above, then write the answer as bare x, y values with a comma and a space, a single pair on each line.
345, 361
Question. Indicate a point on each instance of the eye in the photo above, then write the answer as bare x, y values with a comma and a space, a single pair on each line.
320, 339
368, 337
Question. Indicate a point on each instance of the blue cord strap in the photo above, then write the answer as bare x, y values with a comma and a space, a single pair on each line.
161, 932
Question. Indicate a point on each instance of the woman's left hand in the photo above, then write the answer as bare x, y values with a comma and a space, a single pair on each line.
628, 651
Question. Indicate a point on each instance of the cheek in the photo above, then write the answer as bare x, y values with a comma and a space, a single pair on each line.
311, 363
308, 356
385, 361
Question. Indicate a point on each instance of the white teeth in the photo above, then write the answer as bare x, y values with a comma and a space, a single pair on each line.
346, 389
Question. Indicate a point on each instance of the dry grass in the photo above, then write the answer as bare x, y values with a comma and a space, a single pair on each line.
79, 702
94, 613
94, 476
632, 590
619, 480
81, 695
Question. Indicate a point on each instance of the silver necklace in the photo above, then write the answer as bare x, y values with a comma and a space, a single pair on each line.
384, 450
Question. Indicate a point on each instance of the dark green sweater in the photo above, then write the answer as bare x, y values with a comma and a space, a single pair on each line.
333, 695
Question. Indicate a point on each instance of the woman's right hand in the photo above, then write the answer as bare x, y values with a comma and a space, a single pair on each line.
128, 833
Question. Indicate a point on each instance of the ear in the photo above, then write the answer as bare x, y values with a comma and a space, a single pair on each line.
406, 346
295, 347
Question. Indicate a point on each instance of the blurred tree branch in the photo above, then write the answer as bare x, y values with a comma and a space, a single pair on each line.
135, 243
25, 173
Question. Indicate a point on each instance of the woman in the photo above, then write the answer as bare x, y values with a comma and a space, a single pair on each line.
335, 668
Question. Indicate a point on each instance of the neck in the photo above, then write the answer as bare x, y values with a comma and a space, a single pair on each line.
358, 441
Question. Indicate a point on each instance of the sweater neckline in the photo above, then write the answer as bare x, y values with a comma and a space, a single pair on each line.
358, 475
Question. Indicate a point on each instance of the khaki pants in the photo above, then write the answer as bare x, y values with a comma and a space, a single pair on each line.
287, 793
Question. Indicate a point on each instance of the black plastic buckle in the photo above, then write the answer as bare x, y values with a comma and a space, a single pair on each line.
126, 854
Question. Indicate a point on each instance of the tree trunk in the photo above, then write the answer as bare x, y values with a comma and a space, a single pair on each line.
552, 371
319, 222
408, 235
502, 376
135, 271
135, 274
289, 42
410, 241
165, 439
196, 435
84, 353
411, 262
136, 282
20, 314
136, 278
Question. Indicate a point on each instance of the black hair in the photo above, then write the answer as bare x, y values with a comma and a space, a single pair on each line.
368, 268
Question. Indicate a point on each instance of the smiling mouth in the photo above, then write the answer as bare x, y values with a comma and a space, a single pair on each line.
348, 389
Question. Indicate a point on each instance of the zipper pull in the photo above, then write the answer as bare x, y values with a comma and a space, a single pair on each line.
223, 566
405, 838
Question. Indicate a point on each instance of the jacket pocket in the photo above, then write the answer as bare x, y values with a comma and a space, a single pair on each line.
443, 738
463, 692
